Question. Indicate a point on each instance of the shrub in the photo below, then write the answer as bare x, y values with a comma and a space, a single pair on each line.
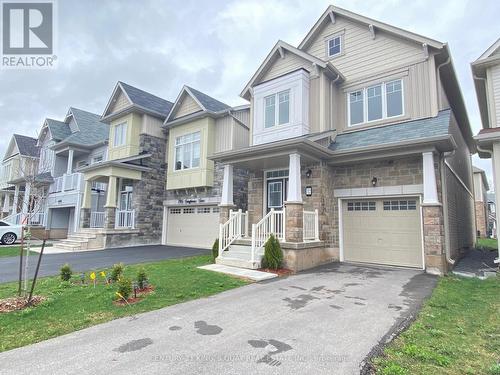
215, 249
273, 255
117, 271
66, 272
125, 287
141, 278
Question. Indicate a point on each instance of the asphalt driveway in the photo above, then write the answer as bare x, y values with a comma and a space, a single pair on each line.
321, 322
87, 260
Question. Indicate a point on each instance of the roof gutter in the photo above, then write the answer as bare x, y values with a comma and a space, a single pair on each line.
448, 61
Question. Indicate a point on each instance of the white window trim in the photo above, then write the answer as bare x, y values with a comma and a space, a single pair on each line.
277, 108
124, 140
182, 154
384, 103
328, 45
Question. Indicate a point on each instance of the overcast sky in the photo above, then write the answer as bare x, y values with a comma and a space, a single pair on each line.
214, 46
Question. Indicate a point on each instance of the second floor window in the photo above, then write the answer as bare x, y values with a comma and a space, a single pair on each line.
120, 138
376, 102
187, 151
277, 109
334, 46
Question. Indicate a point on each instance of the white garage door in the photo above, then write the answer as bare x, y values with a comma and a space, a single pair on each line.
192, 226
382, 231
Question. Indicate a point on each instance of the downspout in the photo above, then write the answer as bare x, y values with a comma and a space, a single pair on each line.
448, 60
444, 193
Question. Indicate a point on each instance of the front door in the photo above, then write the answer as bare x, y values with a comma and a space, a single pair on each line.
276, 193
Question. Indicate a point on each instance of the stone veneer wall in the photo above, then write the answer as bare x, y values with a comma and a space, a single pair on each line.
240, 188
481, 218
255, 197
148, 197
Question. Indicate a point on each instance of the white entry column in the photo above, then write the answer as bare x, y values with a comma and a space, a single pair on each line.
430, 185
69, 168
294, 181
6, 204
15, 203
226, 201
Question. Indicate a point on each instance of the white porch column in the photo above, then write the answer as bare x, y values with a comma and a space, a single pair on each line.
69, 168
227, 186
430, 186
6, 203
15, 203
111, 193
294, 182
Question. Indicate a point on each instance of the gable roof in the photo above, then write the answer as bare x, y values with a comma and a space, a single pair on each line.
204, 101
389, 134
27, 146
92, 131
279, 48
483, 176
58, 129
490, 51
139, 99
331, 11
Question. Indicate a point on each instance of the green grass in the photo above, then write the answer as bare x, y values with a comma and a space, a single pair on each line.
457, 332
72, 307
9, 251
489, 244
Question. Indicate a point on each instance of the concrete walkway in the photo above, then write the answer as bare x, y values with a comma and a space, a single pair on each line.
322, 322
240, 272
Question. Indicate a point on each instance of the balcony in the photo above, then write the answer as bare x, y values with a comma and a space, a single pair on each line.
68, 183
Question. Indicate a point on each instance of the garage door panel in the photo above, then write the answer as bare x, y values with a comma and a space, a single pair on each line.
389, 236
192, 226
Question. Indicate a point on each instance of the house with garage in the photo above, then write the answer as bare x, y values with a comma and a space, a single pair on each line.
66, 146
486, 74
197, 127
481, 188
133, 172
360, 151
19, 199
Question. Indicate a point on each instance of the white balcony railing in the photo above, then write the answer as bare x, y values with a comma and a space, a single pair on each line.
272, 223
67, 183
26, 218
97, 219
125, 219
311, 225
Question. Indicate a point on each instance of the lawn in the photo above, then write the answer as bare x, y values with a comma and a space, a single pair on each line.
72, 307
457, 332
487, 244
9, 251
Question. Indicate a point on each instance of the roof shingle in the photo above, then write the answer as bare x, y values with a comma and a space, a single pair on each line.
147, 100
27, 146
210, 104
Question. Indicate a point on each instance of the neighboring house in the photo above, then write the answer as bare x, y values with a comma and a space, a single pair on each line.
199, 126
492, 216
66, 146
481, 202
360, 151
19, 168
134, 174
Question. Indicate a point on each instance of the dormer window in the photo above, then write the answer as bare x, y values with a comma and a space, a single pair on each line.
279, 114
334, 46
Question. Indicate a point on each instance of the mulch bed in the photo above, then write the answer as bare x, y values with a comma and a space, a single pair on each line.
18, 303
281, 272
146, 290
140, 293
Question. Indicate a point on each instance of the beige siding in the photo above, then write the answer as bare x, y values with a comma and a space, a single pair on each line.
363, 56
224, 134
460, 161
243, 115
120, 103
281, 66
241, 136
495, 80
187, 106
152, 126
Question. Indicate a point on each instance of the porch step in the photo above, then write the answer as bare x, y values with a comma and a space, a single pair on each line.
83, 240
235, 262
239, 254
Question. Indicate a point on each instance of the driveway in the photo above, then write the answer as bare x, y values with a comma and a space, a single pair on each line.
84, 261
321, 322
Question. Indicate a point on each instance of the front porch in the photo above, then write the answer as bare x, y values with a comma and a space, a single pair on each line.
279, 204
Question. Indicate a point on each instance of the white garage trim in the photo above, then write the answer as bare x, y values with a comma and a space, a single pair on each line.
165, 226
341, 226
380, 192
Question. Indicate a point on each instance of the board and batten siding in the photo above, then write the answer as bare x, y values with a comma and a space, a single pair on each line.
187, 106
120, 103
230, 135
152, 126
494, 78
363, 56
289, 63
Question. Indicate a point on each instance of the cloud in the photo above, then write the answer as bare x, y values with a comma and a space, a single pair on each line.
215, 46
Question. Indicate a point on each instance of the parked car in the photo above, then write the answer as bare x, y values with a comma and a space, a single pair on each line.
9, 233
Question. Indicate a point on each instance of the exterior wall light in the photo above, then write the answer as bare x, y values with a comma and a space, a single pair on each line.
374, 181
309, 173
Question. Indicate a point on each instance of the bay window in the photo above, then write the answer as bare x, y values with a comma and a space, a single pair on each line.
187, 151
279, 114
377, 102
120, 137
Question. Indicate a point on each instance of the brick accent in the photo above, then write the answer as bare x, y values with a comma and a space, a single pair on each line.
85, 217
294, 222
434, 240
224, 213
255, 198
481, 218
110, 217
